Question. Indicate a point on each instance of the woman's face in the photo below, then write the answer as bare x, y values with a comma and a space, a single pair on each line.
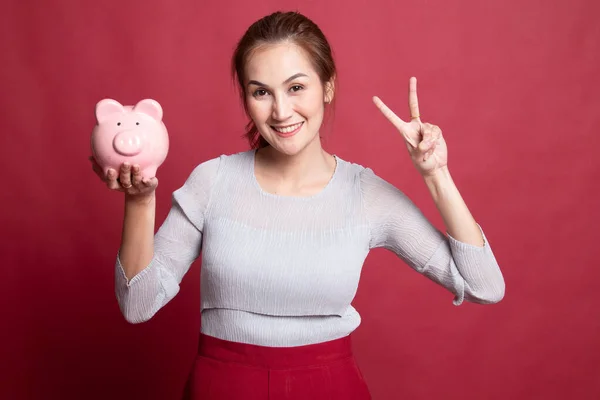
284, 97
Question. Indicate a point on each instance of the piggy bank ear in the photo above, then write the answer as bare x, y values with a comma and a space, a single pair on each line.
106, 107
149, 107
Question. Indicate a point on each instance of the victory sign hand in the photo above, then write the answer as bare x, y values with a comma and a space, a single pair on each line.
425, 143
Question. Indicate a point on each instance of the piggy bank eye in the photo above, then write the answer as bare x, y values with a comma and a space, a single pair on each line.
118, 124
137, 123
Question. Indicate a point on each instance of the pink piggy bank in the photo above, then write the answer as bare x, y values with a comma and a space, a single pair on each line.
133, 134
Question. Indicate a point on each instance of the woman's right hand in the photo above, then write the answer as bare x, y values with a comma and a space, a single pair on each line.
129, 179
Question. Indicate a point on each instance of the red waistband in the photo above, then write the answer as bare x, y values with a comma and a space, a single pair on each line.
274, 357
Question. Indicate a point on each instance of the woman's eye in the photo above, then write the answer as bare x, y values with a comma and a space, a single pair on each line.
260, 92
295, 88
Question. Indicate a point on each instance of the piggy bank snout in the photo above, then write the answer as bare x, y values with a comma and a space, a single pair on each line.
128, 143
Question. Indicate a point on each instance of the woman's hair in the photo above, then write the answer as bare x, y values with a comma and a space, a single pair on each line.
276, 28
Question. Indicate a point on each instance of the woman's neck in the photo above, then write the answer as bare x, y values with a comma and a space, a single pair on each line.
313, 162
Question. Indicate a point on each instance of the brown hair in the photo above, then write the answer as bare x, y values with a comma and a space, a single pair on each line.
275, 28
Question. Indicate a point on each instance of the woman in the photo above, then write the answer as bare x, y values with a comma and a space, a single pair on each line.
284, 229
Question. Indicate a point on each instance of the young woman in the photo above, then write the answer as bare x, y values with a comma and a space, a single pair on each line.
284, 229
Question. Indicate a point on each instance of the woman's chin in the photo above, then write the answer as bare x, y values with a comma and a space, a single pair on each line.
292, 145
288, 149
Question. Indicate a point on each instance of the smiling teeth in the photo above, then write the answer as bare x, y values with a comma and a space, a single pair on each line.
288, 129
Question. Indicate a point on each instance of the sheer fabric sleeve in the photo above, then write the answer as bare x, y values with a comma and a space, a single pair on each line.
470, 272
177, 244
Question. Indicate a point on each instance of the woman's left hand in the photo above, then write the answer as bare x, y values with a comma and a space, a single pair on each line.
425, 143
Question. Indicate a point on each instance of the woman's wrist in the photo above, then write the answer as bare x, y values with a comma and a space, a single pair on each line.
439, 182
140, 200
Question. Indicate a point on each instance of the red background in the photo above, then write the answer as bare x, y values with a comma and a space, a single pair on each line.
513, 84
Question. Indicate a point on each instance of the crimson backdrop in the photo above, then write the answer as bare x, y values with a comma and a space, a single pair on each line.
512, 83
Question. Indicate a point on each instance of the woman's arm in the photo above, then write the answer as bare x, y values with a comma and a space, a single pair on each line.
150, 267
462, 262
459, 222
470, 271
144, 287
137, 239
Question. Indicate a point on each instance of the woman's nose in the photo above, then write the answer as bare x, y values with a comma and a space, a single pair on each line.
282, 109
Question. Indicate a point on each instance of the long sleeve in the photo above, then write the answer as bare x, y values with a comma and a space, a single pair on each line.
177, 244
470, 272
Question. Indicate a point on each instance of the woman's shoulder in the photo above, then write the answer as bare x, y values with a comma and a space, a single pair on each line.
370, 184
206, 174
355, 171
213, 164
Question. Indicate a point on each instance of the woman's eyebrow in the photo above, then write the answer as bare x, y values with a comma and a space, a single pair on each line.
291, 78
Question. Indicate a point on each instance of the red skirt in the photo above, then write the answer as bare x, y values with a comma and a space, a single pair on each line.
233, 371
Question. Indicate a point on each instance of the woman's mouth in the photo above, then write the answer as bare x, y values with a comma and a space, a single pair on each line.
287, 131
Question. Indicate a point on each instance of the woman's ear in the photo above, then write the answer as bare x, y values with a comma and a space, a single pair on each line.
329, 91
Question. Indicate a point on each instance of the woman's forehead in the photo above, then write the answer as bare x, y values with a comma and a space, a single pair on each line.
273, 64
